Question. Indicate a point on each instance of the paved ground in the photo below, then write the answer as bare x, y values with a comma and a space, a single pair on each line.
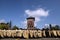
31, 39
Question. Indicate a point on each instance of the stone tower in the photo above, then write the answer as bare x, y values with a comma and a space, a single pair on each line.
30, 22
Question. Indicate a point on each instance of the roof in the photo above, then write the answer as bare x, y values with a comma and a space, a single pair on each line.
31, 18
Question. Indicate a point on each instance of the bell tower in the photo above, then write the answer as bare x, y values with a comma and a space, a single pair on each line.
30, 22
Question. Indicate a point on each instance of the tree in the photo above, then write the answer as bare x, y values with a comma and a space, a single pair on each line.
50, 26
4, 26
15, 27
56, 27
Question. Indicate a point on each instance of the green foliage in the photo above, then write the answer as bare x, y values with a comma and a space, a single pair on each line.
4, 26
56, 27
15, 27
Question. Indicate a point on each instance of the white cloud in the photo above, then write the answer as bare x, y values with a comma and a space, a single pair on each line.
24, 23
38, 13
2, 21
37, 19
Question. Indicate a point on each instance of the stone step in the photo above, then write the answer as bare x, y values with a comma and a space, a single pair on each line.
30, 39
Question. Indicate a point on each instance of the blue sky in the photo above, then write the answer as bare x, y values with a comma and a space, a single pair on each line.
18, 10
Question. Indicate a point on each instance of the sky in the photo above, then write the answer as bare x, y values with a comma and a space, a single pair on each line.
44, 11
